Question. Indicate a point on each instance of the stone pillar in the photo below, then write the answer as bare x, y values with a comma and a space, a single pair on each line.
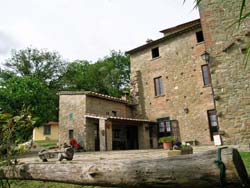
155, 136
89, 139
102, 134
137, 94
109, 136
143, 136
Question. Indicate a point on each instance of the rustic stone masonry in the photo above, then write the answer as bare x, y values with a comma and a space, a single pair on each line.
71, 108
90, 117
226, 44
179, 65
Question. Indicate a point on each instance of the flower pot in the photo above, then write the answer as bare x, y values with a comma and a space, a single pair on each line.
187, 151
167, 145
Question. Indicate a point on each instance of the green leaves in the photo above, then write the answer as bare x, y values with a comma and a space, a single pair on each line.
243, 5
14, 130
43, 65
17, 93
109, 75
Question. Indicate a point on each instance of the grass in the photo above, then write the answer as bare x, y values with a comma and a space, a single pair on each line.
42, 184
46, 144
246, 159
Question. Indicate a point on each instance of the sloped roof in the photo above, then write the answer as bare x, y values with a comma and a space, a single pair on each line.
115, 118
94, 94
180, 27
52, 123
169, 34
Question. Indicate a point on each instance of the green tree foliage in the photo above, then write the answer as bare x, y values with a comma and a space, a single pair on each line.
77, 76
109, 75
41, 64
31, 78
27, 91
13, 131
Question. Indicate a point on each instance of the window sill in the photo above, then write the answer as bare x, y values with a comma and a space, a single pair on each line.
155, 58
209, 85
199, 43
159, 96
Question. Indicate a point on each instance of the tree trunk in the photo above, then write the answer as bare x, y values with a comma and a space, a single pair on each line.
197, 170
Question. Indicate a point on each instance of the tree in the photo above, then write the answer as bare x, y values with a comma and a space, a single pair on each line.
31, 77
13, 131
115, 73
41, 64
109, 75
27, 91
77, 76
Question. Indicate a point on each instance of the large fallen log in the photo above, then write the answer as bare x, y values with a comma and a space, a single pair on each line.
197, 170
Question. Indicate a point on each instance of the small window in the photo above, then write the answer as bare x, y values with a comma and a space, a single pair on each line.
155, 52
71, 134
199, 36
47, 130
213, 123
165, 128
158, 86
206, 75
114, 113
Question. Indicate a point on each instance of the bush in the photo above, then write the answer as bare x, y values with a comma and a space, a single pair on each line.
167, 139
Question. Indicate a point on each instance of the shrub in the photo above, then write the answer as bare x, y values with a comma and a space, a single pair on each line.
167, 139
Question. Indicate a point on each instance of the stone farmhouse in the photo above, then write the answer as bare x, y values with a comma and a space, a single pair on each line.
191, 84
101, 122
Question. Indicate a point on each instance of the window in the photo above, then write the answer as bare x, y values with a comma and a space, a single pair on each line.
155, 52
164, 126
158, 86
114, 113
212, 118
213, 123
47, 130
71, 134
206, 75
199, 36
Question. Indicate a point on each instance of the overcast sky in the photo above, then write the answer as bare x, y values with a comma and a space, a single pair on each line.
87, 29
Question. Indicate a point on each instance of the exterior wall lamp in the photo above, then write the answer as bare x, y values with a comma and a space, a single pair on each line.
205, 56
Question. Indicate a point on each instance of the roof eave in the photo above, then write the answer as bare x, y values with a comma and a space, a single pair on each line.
130, 52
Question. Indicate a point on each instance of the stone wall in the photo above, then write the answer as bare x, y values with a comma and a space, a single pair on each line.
71, 111
179, 65
104, 107
230, 80
90, 133
143, 136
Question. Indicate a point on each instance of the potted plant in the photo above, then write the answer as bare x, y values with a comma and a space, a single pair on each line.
186, 149
167, 142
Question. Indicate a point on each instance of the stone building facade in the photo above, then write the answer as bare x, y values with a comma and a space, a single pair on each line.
174, 90
184, 98
100, 122
173, 85
226, 43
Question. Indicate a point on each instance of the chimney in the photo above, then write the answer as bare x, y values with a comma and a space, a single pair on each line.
149, 40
